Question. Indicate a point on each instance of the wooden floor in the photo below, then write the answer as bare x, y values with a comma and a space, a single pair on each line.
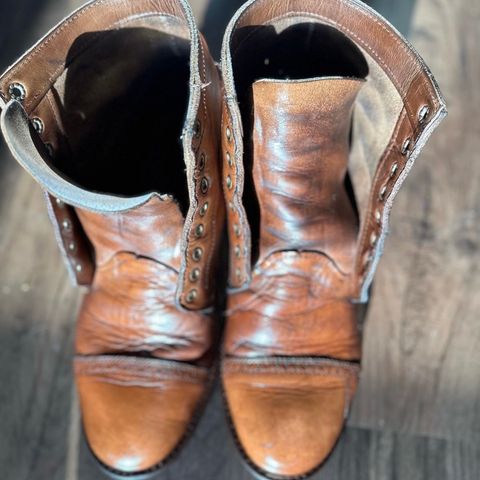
417, 414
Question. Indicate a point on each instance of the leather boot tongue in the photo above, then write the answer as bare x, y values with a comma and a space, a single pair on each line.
300, 151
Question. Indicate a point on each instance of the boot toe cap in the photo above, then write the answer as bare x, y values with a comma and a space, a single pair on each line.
135, 416
287, 420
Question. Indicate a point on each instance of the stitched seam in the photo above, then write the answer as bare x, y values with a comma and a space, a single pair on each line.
144, 374
396, 40
42, 46
295, 370
204, 69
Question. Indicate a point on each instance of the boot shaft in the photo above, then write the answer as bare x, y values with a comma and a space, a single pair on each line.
395, 111
115, 113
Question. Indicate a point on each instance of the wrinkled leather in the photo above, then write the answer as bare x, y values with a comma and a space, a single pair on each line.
144, 352
138, 395
292, 344
297, 305
300, 161
131, 309
153, 230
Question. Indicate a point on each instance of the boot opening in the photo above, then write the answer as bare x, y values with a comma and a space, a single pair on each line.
120, 107
292, 49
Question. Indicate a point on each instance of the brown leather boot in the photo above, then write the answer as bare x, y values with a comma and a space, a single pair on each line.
326, 108
95, 113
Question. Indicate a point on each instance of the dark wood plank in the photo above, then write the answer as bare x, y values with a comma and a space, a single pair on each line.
37, 303
422, 356
37, 310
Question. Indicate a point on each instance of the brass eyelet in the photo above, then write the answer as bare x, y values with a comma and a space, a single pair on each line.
17, 91
38, 125
66, 225
204, 209
383, 191
393, 170
238, 275
423, 113
406, 146
204, 185
197, 254
191, 296
199, 230
194, 275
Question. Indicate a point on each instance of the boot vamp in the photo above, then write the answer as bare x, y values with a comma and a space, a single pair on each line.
131, 309
296, 305
291, 369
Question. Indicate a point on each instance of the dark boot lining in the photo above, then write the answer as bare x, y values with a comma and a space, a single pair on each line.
122, 110
301, 51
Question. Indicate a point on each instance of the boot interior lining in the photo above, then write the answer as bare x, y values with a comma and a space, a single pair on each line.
298, 49
120, 107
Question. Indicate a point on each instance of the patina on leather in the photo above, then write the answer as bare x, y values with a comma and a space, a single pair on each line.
116, 114
326, 108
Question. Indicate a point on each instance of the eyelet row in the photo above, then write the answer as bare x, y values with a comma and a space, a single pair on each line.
17, 91
67, 228
199, 230
405, 151
229, 183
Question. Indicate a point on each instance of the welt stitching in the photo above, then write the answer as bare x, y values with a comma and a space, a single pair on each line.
109, 376
86, 362
307, 370
100, 369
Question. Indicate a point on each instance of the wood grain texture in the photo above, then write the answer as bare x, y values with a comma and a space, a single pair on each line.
37, 303
419, 400
422, 356
37, 309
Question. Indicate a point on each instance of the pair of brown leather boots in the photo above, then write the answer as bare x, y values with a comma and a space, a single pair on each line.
301, 142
